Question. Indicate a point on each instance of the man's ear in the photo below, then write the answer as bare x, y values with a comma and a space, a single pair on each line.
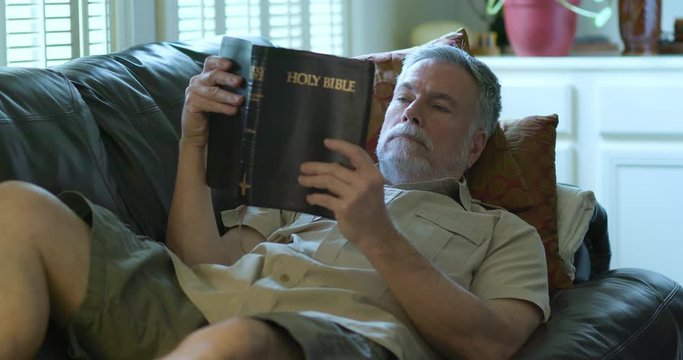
478, 142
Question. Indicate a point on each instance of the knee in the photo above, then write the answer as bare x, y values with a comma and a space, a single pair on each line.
22, 202
239, 337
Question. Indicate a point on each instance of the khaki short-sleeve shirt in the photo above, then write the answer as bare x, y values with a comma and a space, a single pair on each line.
307, 266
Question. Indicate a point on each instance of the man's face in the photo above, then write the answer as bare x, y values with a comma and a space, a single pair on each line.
426, 129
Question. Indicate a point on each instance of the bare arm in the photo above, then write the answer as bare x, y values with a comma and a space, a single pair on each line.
450, 318
239, 241
191, 232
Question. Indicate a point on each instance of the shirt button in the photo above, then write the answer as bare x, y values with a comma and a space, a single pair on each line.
284, 278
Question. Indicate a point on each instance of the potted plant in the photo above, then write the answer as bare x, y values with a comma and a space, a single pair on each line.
544, 27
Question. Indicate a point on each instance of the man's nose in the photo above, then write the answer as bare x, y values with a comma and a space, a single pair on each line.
410, 114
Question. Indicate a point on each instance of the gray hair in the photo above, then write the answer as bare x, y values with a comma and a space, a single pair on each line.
489, 103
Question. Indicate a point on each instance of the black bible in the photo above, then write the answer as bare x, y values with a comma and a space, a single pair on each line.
293, 100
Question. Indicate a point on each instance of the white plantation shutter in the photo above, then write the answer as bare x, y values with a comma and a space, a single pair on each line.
305, 24
326, 26
287, 23
97, 34
49, 32
243, 17
196, 19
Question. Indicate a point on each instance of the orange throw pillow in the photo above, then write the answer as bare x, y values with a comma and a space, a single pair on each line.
516, 171
496, 178
532, 143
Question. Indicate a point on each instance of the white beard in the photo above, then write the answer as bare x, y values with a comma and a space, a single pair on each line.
403, 160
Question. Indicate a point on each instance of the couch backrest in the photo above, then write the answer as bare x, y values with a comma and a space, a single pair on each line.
107, 126
46, 136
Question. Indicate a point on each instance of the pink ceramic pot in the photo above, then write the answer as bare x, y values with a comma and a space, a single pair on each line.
540, 27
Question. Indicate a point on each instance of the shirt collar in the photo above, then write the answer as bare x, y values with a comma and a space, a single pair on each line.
451, 187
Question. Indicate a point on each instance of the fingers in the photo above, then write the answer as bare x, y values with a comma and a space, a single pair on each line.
359, 158
215, 93
215, 72
328, 182
211, 99
345, 186
327, 201
196, 103
216, 77
318, 168
216, 62
332, 177
353, 195
363, 167
205, 94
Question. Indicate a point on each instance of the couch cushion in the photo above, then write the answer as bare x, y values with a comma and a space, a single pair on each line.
48, 136
622, 314
136, 98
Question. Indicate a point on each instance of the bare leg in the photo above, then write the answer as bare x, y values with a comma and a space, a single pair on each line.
44, 262
238, 338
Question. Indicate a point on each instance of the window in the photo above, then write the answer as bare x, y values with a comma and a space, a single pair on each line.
196, 19
305, 24
42, 33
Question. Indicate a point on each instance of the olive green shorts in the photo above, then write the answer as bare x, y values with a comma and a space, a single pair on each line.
135, 308
324, 340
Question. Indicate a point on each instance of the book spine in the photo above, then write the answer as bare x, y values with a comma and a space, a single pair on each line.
259, 58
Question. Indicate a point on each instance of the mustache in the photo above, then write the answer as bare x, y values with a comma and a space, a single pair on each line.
411, 131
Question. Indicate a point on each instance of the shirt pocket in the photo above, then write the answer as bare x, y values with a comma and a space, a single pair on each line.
336, 250
451, 241
299, 222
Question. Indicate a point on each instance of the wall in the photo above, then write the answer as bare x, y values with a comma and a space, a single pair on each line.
380, 25
134, 23
372, 26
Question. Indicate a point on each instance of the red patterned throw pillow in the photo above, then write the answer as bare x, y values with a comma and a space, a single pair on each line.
532, 143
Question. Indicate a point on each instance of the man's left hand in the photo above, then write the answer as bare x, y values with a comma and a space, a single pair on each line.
356, 195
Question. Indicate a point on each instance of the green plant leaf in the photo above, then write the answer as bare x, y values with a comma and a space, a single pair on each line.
602, 17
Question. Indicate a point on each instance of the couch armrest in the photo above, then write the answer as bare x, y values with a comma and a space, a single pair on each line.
597, 242
592, 258
625, 313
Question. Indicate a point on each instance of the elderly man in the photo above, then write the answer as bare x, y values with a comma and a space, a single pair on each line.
411, 267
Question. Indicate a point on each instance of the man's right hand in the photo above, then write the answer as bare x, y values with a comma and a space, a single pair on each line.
204, 95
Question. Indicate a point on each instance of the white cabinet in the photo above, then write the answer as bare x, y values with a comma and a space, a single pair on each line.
621, 135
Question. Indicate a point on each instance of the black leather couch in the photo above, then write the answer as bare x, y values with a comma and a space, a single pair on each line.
108, 127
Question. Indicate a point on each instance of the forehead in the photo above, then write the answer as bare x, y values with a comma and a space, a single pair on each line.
433, 75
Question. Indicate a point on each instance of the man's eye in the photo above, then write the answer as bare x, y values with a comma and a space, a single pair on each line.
402, 99
441, 108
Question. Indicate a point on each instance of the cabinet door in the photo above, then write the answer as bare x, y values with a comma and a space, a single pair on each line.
620, 135
545, 94
641, 133
643, 192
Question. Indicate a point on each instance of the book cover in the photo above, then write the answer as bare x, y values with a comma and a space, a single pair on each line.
293, 100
